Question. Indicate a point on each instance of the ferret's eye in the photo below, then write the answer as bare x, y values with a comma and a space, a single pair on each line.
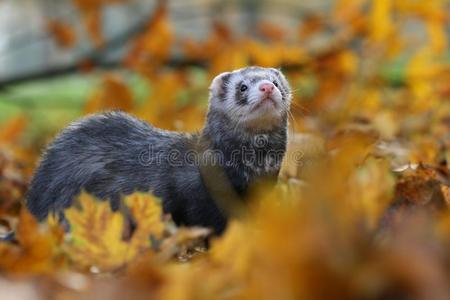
275, 83
243, 88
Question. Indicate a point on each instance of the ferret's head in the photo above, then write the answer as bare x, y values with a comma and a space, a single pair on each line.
254, 98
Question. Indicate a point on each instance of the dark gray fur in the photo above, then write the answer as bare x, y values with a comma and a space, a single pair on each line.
103, 154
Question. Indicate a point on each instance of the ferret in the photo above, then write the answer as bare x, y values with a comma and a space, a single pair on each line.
196, 176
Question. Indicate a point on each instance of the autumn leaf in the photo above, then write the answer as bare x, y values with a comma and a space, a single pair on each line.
233, 58
147, 212
422, 186
96, 235
153, 46
13, 129
271, 31
97, 239
36, 250
63, 33
225, 248
184, 244
445, 190
381, 25
91, 11
263, 54
161, 112
437, 35
303, 152
113, 94
345, 10
361, 210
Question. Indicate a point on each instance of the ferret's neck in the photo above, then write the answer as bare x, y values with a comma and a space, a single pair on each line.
219, 128
240, 147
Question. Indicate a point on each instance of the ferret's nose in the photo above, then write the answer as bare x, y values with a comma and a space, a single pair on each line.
266, 87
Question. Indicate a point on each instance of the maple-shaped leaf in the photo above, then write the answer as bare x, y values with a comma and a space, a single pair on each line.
147, 212
96, 237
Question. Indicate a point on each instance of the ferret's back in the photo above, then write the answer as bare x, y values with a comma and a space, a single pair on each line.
103, 154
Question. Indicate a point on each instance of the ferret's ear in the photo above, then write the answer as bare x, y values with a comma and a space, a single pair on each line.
219, 84
282, 78
276, 70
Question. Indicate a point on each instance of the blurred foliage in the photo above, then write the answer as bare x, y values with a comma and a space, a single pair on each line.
362, 214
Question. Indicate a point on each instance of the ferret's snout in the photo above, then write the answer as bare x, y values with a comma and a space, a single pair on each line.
266, 87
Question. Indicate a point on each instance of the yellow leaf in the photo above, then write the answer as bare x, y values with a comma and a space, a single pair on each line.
225, 248
370, 190
437, 35
423, 71
96, 231
303, 151
262, 54
348, 62
380, 20
230, 58
96, 235
189, 118
445, 190
147, 212
160, 107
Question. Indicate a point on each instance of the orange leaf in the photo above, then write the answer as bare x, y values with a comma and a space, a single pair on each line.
12, 130
113, 94
63, 33
36, 249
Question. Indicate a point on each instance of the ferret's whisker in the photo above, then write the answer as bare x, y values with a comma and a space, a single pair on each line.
239, 120
294, 122
302, 108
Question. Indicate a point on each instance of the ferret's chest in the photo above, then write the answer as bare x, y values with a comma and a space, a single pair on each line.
251, 162
262, 164
247, 160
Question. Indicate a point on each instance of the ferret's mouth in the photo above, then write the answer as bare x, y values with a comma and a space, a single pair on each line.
264, 102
